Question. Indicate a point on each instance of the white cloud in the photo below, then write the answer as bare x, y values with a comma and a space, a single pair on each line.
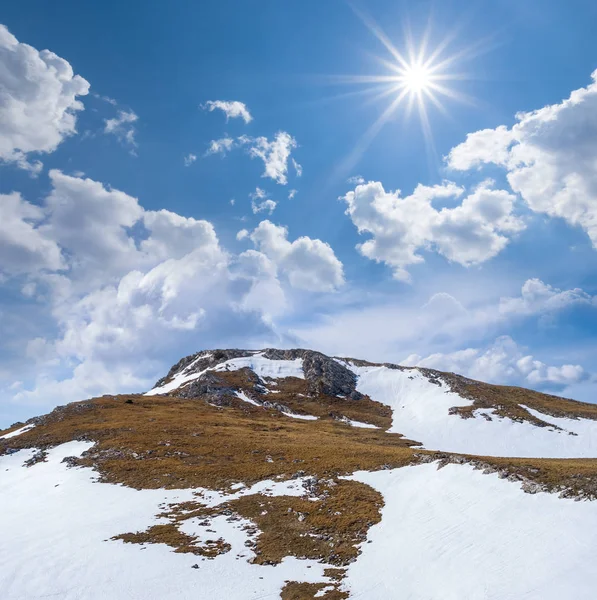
503, 362
232, 109
38, 102
292, 194
485, 146
307, 263
355, 180
23, 247
470, 233
221, 146
260, 202
189, 159
538, 297
264, 293
274, 154
122, 127
242, 234
267, 205
91, 222
128, 289
550, 156
298, 169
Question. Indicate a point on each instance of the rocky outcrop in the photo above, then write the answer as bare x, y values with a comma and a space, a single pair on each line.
324, 374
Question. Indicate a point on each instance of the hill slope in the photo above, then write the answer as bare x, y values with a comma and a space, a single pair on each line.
290, 474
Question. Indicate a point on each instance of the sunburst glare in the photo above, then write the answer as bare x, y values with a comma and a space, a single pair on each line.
417, 77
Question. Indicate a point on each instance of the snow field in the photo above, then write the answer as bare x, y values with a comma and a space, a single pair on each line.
421, 412
56, 525
457, 534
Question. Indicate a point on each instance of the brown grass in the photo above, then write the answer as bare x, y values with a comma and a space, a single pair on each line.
305, 591
182, 543
294, 393
175, 443
509, 401
328, 529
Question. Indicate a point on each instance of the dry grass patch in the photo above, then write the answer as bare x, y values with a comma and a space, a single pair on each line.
305, 591
328, 529
509, 401
168, 442
182, 543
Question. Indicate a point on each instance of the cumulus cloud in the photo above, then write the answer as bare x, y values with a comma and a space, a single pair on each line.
307, 263
23, 247
275, 155
232, 109
122, 126
130, 289
538, 297
38, 103
503, 362
401, 227
550, 156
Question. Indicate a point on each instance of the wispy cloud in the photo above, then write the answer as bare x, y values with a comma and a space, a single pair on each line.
232, 109
122, 126
261, 203
189, 159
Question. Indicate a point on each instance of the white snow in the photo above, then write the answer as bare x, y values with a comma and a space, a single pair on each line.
179, 379
56, 525
16, 432
246, 398
263, 367
359, 424
303, 417
457, 534
420, 412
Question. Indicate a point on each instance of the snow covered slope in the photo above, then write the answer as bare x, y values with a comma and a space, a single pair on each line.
421, 411
56, 525
246, 475
458, 534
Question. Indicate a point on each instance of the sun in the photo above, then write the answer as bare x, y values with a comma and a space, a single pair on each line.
416, 78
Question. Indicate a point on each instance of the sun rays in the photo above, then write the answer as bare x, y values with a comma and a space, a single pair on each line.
419, 78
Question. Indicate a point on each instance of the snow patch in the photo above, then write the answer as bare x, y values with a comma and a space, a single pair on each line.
57, 522
265, 367
180, 379
246, 398
420, 411
16, 432
457, 534
359, 423
303, 417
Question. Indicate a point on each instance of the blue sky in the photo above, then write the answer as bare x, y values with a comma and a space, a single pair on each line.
468, 244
